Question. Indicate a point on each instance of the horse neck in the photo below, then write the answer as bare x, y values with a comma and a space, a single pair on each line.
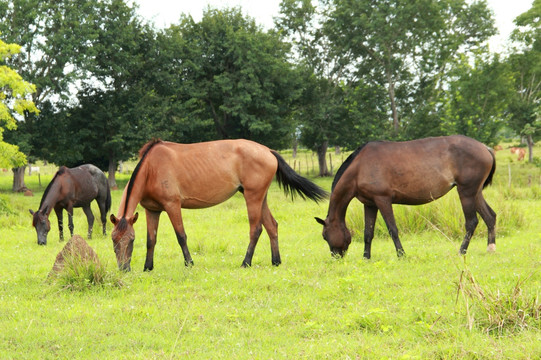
338, 204
136, 195
52, 197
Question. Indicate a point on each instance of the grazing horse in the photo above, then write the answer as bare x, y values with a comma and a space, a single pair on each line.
173, 176
416, 172
72, 188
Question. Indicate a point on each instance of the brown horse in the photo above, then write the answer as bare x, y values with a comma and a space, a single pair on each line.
172, 176
72, 188
380, 174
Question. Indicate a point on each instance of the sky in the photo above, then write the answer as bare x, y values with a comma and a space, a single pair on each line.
165, 12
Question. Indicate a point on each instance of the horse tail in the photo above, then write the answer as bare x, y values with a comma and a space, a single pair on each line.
293, 183
108, 199
488, 181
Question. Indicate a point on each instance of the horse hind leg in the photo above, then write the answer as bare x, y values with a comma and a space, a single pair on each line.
470, 216
489, 217
90, 219
271, 226
254, 205
103, 215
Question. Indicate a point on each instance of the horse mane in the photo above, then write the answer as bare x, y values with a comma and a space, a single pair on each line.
142, 155
345, 165
60, 171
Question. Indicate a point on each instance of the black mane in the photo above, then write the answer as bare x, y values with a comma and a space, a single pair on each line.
143, 153
59, 172
345, 165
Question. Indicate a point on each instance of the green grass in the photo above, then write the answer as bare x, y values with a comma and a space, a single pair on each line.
423, 306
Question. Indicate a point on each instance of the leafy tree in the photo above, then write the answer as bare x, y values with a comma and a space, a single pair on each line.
321, 112
14, 94
53, 37
477, 99
407, 48
526, 63
234, 80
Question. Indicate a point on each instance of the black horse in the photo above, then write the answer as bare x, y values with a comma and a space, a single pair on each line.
380, 174
71, 188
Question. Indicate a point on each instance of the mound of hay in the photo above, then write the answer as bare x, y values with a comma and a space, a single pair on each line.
77, 248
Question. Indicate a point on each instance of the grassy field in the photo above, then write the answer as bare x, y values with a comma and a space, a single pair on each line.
432, 304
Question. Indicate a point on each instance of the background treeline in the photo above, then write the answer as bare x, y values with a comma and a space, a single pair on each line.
330, 73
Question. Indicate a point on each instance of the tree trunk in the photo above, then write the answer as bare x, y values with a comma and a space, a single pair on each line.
295, 146
18, 179
111, 176
321, 158
529, 140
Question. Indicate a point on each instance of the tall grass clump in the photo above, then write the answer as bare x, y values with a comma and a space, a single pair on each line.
79, 274
495, 312
443, 215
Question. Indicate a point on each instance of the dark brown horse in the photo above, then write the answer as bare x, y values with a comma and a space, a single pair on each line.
172, 176
72, 188
380, 174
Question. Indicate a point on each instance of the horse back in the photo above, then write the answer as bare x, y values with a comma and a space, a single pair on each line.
418, 171
208, 173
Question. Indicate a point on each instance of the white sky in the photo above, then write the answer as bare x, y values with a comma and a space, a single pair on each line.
165, 12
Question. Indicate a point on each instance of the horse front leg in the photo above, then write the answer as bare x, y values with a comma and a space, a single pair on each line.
175, 216
153, 219
386, 208
90, 220
59, 216
70, 220
370, 215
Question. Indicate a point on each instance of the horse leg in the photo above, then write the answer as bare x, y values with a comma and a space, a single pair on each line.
103, 215
153, 219
370, 214
489, 217
254, 204
89, 219
59, 216
175, 216
470, 215
70, 220
386, 208
271, 226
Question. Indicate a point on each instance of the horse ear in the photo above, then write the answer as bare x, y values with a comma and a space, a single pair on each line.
134, 219
31, 212
113, 219
320, 221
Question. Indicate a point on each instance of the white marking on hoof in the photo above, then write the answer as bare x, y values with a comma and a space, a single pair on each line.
491, 248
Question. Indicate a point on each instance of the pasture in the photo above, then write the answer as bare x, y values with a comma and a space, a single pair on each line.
430, 304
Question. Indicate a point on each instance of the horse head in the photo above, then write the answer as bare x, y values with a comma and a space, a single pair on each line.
337, 236
123, 236
40, 220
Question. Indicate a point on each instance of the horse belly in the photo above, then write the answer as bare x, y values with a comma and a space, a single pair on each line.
417, 195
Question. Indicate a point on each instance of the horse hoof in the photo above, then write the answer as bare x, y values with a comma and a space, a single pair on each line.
491, 248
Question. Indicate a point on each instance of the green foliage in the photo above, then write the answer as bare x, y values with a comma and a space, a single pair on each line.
233, 79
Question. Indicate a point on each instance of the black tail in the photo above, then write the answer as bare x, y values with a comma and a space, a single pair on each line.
488, 181
108, 199
293, 183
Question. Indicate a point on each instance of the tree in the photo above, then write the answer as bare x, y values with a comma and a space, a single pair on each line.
234, 80
476, 102
407, 47
526, 63
14, 99
53, 36
321, 111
